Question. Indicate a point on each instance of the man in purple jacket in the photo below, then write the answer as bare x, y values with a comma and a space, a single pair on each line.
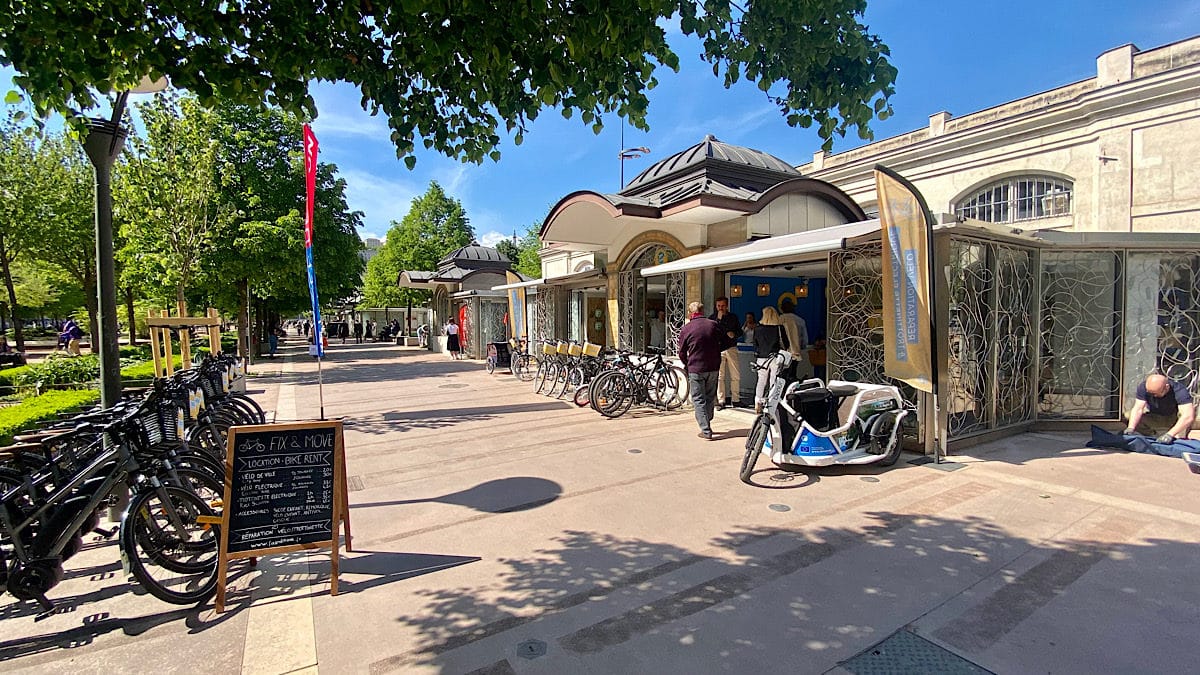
700, 345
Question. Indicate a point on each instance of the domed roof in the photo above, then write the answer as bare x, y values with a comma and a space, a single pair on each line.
475, 252
711, 151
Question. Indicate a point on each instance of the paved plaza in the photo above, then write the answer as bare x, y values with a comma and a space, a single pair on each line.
498, 531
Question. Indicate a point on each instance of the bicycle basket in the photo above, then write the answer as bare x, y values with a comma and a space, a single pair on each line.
574, 350
549, 348
562, 347
591, 350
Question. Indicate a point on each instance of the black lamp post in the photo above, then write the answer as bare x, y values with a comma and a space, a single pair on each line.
104, 142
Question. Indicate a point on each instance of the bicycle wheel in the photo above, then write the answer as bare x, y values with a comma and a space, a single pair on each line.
664, 389
754, 446
160, 536
207, 437
527, 370
517, 366
583, 395
617, 396
491, 365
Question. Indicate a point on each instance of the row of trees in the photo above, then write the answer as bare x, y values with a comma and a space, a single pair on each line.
434, 226
207, 206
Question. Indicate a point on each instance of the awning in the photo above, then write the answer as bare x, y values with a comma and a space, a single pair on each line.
771, 250
555, 281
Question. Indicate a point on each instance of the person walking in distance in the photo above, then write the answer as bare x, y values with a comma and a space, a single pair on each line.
452, 344
700, 345
730, 373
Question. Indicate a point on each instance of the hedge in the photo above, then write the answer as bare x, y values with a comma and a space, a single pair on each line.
26, 415
9, 376
145, 371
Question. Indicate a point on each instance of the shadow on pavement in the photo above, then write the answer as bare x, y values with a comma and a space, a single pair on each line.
505, 495
441, 418
595, 571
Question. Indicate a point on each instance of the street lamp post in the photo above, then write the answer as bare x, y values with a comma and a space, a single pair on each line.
104, 142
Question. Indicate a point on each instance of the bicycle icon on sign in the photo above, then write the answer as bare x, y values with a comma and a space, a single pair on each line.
253, 445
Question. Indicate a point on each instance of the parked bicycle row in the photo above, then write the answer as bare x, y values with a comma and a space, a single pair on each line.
166, 446
612, 382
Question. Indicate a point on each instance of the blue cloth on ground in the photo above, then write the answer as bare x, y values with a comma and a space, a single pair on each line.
1139, 443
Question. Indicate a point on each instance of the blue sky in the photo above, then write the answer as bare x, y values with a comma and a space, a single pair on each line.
953, 56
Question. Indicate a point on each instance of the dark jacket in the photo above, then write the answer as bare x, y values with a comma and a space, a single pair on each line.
768, 340
700, 345
729, 324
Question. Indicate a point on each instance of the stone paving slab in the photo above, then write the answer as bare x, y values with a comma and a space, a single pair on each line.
498, 531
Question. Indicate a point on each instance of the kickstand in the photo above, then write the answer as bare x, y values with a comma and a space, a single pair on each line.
106, 534
48, 608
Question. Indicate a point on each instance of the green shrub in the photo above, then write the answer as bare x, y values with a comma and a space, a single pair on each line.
8, 376
60, 369
145, 370
140, 352
25, 415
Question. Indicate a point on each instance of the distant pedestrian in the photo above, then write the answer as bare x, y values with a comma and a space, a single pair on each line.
369, 331
452, 341
344, 331
700, 345
71, 336
272, 341
358, 332
796, 331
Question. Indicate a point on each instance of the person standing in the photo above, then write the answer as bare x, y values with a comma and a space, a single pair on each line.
769, 338
748, 327
658, 330
731, 369
1164, 407
452, 343
797, 337
701, 343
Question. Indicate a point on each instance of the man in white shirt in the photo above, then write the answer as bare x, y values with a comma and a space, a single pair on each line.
658, 330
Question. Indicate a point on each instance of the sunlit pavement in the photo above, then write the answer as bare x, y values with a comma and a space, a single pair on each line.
498, 531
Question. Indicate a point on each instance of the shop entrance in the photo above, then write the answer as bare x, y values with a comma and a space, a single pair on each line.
586, 313
796, 287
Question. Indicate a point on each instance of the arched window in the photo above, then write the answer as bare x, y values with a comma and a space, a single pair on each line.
1018, 198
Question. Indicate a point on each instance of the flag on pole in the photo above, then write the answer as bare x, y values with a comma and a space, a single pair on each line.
310, 189
907, 233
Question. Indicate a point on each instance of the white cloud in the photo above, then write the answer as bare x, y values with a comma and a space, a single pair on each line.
492, 237
381, 200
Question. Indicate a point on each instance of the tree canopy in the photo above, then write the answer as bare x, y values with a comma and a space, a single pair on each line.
435, 225
453, 75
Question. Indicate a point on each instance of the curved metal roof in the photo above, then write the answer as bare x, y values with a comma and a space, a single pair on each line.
474, 251
710, 150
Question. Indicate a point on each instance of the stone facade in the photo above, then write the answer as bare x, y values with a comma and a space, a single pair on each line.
1128, 139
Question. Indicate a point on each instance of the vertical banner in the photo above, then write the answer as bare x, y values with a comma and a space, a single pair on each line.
516, 308
310, 189
907, 234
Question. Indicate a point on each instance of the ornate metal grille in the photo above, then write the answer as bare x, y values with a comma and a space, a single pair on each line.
1081, 310
467, 333
546, 299
676, 308
969, 337
626, 281
493, 328
1014, 357
575, 307
1162, 318
990, 359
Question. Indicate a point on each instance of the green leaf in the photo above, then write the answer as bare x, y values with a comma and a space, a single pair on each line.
410, 161
13, 97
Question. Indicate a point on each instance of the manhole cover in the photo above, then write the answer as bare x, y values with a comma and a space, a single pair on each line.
783, 477
634, 451
869, 479
780, 507
451, 386
531, 649
906, 652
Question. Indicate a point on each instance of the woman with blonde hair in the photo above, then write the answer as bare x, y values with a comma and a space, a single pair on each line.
769, 338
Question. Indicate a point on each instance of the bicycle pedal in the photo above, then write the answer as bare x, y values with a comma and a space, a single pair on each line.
48, 608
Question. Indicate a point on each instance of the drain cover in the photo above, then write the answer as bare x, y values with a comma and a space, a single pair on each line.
634, 451
869, 479
531, 649
451, 386
780, 507
783, 477
906, 652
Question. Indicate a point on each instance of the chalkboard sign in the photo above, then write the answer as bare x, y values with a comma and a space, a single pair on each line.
284, 491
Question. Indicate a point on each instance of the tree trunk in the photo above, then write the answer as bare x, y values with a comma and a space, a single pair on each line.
130, 316
18, 334
243, 320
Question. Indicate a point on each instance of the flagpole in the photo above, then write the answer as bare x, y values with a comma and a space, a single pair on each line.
320, 388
